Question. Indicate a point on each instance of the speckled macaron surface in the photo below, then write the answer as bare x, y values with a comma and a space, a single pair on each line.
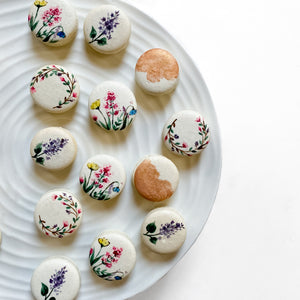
112, 105
107, 29
112, 255
54, 88
54, 22
163, 230
186, 133
156, 177
58, 213
102, 177
157, 71
57, 278
53, 148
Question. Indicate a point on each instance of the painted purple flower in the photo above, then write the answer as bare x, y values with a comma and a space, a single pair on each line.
108, 24
57, 280
170, 228
52, 147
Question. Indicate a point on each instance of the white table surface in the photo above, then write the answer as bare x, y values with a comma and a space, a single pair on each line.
249, 55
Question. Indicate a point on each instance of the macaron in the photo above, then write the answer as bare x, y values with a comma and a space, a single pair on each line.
112, 255
58, 213
54, 22
54, 88
163, 230
186, 133
53, 148
112, 106
102, 177
107, 29
155, 177
57, 277
157, 71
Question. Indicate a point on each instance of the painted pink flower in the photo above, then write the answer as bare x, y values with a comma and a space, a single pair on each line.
166, 138
53, 66
106, 170
74, 95
71, 231
47, 233
54, 197
64, 203
29, 17
32, 89
66, 223
107, 254
91, 251
62, 79
100, 185
81, 180
95, 118
184, 145
79, 210
117, 252
116, 112
198, 120
96, 182
105, 180
97, 175
115, 106
109, 265
42, 78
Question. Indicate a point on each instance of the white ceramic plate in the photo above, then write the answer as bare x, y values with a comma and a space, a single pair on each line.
22, 182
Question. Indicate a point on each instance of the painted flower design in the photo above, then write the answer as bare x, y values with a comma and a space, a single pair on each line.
104, 260
112, 116
45, 150
182, 147
106, 28
56, 282
50, 29
98, 183
67, 79
71, 209
165, 231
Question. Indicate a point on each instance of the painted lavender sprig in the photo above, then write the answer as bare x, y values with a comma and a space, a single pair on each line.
47, 150
56, 282
165, 231
106, 27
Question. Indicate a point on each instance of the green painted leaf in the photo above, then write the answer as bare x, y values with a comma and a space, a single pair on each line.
34, 25
74, 220
44, 290
102, 42
153, 240
151, 227
38, 148
93, 33
52, 298
40, 160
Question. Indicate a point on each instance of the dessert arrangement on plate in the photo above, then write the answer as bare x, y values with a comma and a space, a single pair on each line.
112, 105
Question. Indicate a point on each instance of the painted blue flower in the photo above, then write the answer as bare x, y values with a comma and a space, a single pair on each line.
61, 34
176, 136
116, 189
118, 278
132, 112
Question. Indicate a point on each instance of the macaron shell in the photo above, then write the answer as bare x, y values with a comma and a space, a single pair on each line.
56, 78
115, 38
186, 133
102, 177
60, 18
58, 214
163, 230
57, 275
156, 177
53, 148
157, 71
112, 255
112, 106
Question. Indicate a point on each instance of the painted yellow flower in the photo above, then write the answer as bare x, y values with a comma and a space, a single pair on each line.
95, 104
103, 242
93, 166
39, 3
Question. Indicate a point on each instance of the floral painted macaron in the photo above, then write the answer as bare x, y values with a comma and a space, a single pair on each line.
157, 71
112, 255
163, 230
54, 88
186, 133
112, 105
102, 177
107, 29
53, 148
156, 178
54, 22
57, 277
58, 213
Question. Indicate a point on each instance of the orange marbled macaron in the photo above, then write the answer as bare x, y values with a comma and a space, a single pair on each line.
157, 71
155, 178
